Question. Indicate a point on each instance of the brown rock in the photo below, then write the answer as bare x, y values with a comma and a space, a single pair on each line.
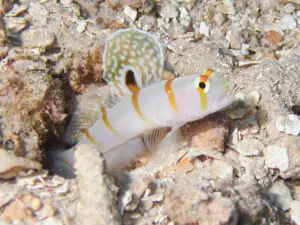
272, 39
10, 165
208, 133
21, 209
188, 203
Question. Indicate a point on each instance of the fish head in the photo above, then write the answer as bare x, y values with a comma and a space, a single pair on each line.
202, 94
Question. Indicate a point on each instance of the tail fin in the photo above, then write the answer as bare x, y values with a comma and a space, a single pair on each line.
60, 162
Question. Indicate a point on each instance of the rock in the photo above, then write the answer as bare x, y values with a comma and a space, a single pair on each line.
39, 14
254, 168
21, 209
50, 221
63, 189
272, 38
206, 134
130, 13
228, 7
221, 169
252, 99
125, 201
66, 2
235, 41
188, 3
250, 147
3, 51
281, 195
289, 8
15, 24
97, 193
249, 126
289, 124
204, 29
168, 11
81, 27
295, 211
196, 206
244, 49
32, 202
47, 211
276, 157
238, 112
16, 10
184, 17
11, 165
219, 18
287, 22
146, 22
37, 38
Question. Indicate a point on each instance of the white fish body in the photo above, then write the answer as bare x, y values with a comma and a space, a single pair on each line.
152, 108
145, 106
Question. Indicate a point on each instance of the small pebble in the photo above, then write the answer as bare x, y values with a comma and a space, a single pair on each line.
289, 8
168, 11
244, 49
66, 2
219, 18
289, 124
126, 200
47, 211
253, 98
62, 189
38, 13
221, 169
236, 113
17, 9
295, 212
130, 13
281, 195
228, 7
31, 201
236, 136
184, 17
40, 38
51, 221
249, 147
15, 24
11, 165
147, 22
276, 157
81, 27
233, 36
287, 22
204, 29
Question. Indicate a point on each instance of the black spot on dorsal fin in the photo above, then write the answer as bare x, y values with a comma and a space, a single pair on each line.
131, 82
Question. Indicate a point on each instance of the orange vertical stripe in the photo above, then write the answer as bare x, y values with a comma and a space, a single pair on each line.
168, 90
105, 119
134, 99
87, 134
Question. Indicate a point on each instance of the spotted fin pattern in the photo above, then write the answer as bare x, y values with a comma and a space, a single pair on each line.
132, 59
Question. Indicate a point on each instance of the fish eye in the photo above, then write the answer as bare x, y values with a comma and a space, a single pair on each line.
202, 85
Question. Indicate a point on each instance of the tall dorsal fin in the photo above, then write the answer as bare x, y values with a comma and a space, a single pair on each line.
89, 108
132, 60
